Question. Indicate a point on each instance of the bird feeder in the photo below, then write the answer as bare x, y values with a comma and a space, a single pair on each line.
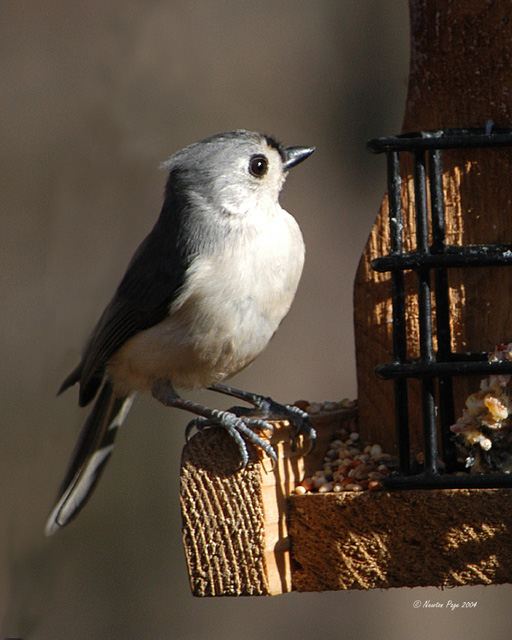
431, 301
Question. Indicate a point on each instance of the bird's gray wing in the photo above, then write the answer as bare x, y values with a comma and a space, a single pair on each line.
150, 284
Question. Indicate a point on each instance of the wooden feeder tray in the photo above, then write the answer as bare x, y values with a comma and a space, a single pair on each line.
246, 533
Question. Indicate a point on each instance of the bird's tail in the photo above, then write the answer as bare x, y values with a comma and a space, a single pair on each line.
93, 449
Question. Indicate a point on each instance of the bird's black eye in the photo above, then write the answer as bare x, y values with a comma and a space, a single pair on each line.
258, 166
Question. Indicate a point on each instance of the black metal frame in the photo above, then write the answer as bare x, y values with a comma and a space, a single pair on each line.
426, 149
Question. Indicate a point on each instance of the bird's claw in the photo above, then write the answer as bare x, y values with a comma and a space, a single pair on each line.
302, 423
268, 409
299, 420
240, 428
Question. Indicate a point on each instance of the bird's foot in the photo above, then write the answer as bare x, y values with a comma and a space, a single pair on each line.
240, 428
268, 409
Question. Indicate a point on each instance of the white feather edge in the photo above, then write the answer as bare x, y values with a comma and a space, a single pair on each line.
81, 484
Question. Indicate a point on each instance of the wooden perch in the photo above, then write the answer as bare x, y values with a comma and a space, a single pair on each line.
234, 522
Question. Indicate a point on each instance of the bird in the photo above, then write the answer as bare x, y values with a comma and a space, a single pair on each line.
200, 299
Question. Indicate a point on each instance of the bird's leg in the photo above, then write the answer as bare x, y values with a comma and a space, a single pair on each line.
238, 427
269, 409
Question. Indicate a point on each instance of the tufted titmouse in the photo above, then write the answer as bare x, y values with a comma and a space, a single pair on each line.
201, 298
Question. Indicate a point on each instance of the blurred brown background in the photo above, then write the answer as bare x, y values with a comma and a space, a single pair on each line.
94, 95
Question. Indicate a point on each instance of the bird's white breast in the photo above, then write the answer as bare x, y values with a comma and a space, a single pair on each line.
230, 305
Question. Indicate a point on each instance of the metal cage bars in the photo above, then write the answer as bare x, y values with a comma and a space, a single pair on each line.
426, 149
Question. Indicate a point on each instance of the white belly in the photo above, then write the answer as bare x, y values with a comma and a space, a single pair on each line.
229, 308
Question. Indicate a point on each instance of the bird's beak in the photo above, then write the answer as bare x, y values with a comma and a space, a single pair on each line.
294, 155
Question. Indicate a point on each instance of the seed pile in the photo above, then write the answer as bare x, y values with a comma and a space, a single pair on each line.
349, 466
314, 408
